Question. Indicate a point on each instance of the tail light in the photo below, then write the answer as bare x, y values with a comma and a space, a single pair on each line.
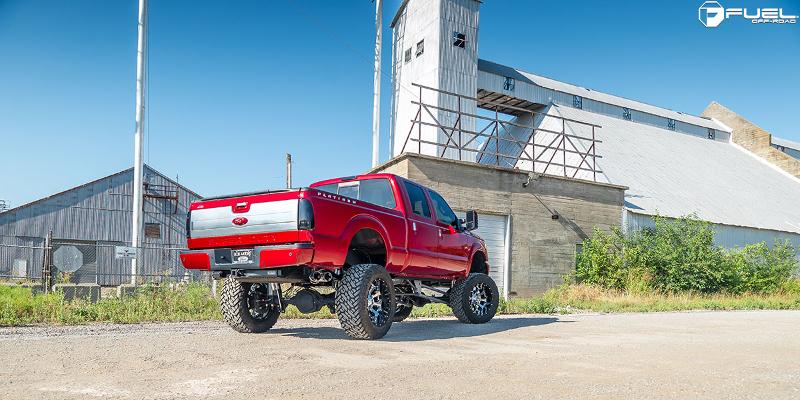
189, 225
305, 215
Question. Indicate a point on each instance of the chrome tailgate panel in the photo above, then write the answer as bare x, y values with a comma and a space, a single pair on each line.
273, 216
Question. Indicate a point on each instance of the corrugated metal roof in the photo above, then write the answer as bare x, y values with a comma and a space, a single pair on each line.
497, 69
786, 143
147, 169
673, 175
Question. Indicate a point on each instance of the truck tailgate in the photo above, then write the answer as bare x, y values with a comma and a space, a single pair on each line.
243, 216
274, 216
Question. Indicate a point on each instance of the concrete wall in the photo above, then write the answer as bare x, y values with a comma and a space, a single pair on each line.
753, 138
542, 249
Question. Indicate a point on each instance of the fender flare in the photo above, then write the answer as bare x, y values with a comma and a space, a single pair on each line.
478, 248
356, 224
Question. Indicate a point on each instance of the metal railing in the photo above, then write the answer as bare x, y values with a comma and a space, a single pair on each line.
545, 149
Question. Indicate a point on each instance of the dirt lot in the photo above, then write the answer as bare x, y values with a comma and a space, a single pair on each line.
673, 355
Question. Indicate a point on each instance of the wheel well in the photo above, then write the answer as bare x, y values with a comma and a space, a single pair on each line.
366, 247
479, 264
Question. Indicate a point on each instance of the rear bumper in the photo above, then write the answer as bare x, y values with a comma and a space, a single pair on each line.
274, 256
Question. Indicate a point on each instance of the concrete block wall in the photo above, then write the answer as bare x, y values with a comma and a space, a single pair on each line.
542, 249
753, 138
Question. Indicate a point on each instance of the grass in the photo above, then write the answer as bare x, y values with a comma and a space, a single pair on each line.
18, 306
591, 298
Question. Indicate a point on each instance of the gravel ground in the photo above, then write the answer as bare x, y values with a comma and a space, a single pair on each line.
698, 355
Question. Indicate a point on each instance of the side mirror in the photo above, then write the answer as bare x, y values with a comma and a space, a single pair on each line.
472, 220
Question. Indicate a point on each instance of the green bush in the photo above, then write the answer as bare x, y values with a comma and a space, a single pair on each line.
680, 256
759, 269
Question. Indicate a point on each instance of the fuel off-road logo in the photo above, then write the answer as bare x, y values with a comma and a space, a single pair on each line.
712, 14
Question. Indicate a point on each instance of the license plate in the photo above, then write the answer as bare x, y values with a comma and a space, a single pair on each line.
242, 256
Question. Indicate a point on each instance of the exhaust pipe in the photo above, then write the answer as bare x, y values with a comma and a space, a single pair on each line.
320, 276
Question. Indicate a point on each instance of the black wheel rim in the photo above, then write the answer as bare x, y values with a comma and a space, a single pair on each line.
378, 304
480, 299
259, 301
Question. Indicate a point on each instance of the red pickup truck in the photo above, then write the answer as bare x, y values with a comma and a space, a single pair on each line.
368, 247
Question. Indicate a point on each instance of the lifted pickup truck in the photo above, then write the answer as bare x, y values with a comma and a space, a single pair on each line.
368, 247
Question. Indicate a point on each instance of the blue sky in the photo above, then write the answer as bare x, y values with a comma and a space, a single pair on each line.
235, 85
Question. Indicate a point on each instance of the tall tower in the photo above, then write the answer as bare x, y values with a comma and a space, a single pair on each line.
435, 44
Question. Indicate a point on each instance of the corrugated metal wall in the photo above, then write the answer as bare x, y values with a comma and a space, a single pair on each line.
726, 236
441, 65
537, 94
458, 71
788, 150
100, 212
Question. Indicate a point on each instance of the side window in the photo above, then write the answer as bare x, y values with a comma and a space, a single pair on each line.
378, 192
444, 213
330, 188
419, 204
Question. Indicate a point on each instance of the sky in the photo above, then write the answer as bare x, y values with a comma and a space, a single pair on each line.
233, 86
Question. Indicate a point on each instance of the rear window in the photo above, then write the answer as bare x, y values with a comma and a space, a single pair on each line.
330, 188
373, 191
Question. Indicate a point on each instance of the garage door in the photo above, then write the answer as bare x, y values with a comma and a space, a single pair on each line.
492, 229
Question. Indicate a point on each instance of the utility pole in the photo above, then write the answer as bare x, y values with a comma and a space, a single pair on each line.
288, 171
376, 97
138, 165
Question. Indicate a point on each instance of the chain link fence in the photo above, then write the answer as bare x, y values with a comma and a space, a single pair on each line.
95, 262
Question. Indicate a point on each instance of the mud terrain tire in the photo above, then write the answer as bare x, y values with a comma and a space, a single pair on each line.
236, 303
365, 301
474, 299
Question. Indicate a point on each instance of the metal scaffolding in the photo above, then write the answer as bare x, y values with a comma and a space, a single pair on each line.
560, 149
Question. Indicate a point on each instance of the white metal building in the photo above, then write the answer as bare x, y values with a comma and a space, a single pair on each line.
673, 163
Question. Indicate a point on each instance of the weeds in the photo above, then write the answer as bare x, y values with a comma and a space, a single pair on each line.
18, 306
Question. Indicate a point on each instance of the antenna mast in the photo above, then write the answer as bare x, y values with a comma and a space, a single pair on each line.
376, 99
138, 165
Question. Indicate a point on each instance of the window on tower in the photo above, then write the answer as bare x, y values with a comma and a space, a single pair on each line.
712, 134
626, 113
420, 47
459, 39
577, 101
407, 56
509, 84
671, 124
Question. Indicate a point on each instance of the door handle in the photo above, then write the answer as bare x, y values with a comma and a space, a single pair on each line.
414, 226
440, 233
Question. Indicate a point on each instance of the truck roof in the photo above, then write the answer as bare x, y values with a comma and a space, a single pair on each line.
353, 178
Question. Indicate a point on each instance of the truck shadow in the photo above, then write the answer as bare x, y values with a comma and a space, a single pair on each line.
426, 329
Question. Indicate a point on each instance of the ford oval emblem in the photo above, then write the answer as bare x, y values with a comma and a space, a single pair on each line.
239, 221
